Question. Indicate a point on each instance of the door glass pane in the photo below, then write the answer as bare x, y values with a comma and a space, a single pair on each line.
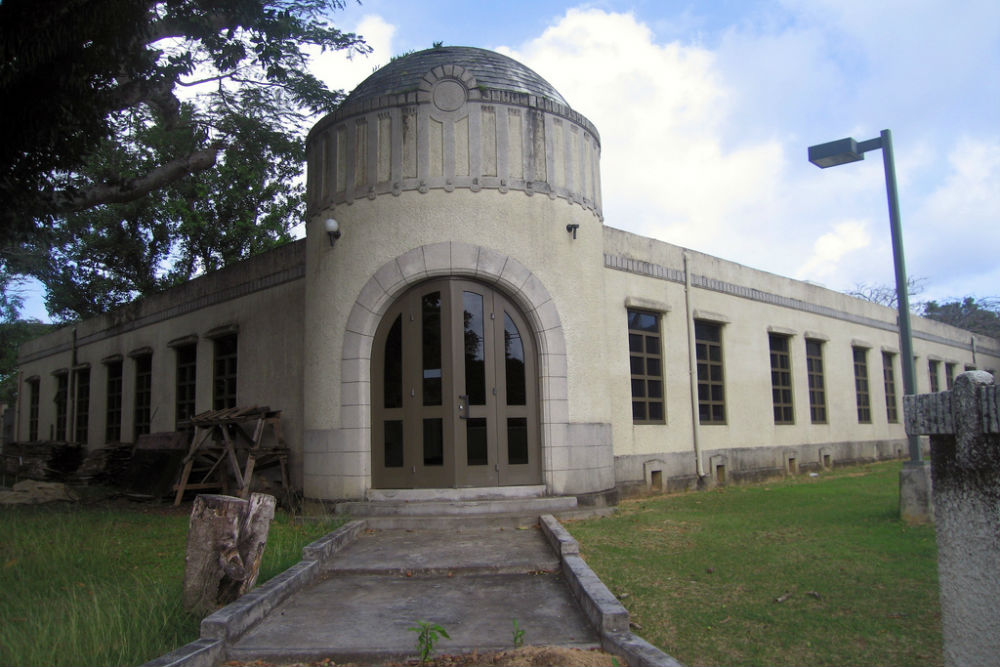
475, 434
430, 309
514, 354
475, 364
433, 442
392, 376
517, 441
394, 444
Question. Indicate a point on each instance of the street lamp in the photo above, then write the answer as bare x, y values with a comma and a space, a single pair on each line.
847, 150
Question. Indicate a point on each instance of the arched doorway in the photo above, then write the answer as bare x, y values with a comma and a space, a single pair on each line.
454, 390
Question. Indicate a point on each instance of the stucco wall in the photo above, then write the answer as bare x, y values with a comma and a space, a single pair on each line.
261, 299
750, 304
515, 241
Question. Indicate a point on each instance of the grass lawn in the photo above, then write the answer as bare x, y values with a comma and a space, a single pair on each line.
805, 571
101, 585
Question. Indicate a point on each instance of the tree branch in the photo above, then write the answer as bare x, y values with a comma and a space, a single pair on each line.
104, 193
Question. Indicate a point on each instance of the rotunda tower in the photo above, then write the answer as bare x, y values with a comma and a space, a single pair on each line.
447, 334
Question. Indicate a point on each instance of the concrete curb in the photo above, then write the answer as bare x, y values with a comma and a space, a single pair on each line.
199, 653
224, 626
327, 546
601, 607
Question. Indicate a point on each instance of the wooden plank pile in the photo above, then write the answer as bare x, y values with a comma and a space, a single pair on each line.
231, 442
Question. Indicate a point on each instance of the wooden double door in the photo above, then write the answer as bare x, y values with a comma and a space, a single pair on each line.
454, 391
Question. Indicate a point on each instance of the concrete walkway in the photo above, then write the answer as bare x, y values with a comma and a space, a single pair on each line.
357, 591
473, 582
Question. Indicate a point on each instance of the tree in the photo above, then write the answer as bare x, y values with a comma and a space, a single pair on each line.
980, 316
101, 258
885, 295
98, 145
12, 334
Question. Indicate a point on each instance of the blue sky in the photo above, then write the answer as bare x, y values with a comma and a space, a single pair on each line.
706, 109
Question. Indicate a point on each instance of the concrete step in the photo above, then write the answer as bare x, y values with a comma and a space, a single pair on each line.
463, 508
468, 493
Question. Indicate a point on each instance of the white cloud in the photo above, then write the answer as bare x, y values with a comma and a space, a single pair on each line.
660, 110
831, 248
958, 223
704, 134
340, 70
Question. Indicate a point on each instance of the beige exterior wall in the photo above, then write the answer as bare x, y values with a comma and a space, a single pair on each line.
750, 304
457, 179
514, 241
261, 299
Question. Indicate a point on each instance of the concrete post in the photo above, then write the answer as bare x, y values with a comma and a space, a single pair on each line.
964, 425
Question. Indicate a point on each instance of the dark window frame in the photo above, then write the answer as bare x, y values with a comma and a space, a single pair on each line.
889, 383
862, 388
817, 381
782, 398
645, 336
225, 368
933, 368
711, 372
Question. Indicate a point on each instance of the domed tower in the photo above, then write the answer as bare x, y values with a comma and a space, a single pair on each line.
454, 240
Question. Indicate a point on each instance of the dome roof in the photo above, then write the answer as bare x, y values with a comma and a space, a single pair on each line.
491, 70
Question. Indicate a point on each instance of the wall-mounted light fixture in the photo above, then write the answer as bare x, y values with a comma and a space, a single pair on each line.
572, 230
333, 230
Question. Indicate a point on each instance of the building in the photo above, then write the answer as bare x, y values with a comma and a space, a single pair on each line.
469, 321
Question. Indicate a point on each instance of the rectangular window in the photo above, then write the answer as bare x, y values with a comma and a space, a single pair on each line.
861, 385
224, 382
817, 387
949, 375
646, 361
143, 394
113, 413
932, 371
34, 387
82, 408
61, 400
187, 368
889, 378
711, 388
781, 379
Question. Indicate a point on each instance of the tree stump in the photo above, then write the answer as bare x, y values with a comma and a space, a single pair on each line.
226, 540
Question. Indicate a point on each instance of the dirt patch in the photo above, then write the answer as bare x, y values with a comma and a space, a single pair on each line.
526, 656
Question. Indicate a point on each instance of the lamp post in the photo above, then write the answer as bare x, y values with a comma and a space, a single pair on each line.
847, 150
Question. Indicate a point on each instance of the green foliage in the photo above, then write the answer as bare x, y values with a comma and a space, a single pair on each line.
981, 316
98, 151
103, 257
103, 585
12, 334
518, 635
428, 635
702, 573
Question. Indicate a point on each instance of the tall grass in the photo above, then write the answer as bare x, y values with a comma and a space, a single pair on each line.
805, 571
102, 586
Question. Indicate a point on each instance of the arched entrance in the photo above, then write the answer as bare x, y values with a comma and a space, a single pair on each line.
454, 380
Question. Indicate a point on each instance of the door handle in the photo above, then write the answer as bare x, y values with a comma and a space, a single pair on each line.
463, 406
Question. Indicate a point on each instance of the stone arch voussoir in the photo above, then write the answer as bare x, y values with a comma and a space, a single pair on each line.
465, 260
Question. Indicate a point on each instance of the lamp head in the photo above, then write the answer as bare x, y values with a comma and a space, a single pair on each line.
332, 229
834, 153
